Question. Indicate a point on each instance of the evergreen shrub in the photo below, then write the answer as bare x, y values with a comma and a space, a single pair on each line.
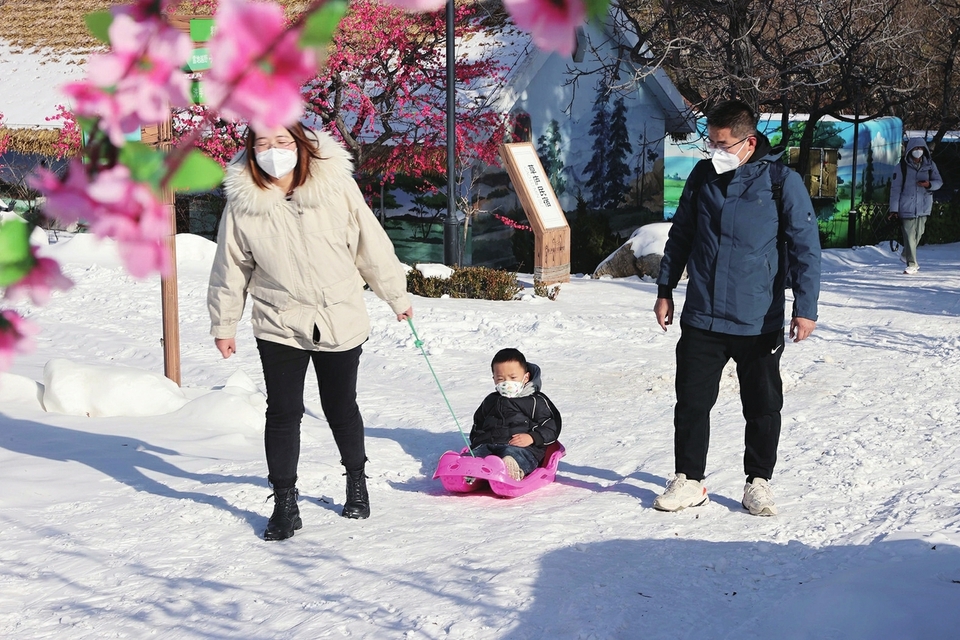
480, 283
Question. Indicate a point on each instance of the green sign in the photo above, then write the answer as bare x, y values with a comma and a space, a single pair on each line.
196, 92
199, 61
201, 29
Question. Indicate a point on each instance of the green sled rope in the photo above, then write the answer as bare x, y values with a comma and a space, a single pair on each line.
419, 343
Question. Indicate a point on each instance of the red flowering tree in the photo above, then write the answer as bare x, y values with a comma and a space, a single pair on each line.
219, 139
69, 140
262, 60
4, 138
383, 91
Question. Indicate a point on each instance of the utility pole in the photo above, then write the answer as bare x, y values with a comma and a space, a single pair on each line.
451, 234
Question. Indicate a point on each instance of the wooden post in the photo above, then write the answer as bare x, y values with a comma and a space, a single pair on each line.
169, 295
551, 252
161, 136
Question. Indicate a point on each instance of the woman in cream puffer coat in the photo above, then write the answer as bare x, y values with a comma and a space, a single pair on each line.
297, 238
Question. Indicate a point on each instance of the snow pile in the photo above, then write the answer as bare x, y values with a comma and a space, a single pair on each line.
431, 270
649, 239
99, 391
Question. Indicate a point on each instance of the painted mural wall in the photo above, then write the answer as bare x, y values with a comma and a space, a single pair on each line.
878, 147
548, 101
559, 119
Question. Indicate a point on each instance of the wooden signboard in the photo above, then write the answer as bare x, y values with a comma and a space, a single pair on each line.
551, 252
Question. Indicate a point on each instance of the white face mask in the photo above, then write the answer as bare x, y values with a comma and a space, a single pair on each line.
724, 161
277, 162
510, 388
917, 153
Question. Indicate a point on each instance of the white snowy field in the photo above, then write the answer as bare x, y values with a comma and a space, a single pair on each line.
144, 519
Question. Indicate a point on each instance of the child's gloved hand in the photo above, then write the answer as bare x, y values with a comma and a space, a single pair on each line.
521, 440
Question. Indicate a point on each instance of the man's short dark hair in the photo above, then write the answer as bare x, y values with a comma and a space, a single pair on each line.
734, 115
509, 355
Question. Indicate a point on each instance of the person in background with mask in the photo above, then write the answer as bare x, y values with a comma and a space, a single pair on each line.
516, 422
911, 197
726, 234
298, 238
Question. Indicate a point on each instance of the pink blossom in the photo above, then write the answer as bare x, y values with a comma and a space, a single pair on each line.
15, 337
38, 283
67, 200
94, 102
418, 6
512, 223
258, 67
552, 23
130, 213
143, 9
4, 139
115, 207
139, 80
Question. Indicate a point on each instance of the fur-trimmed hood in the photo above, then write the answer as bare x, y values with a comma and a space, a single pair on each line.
329, 176
303, 261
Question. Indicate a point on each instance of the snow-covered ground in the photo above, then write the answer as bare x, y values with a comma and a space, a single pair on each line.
26, 80
144, 518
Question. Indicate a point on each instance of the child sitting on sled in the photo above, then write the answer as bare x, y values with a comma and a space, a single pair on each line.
516, 422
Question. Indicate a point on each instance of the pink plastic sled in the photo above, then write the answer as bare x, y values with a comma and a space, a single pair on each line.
455, 469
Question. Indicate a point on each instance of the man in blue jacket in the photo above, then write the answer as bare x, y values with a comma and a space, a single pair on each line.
739, 249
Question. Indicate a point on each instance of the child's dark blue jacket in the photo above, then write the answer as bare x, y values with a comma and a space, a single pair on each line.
499, 418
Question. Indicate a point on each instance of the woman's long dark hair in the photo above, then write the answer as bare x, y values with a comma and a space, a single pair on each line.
306, 151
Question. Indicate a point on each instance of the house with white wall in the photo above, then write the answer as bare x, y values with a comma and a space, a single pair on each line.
549, 87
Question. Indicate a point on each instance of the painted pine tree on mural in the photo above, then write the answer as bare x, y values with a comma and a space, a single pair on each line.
596, 169
608, 170
549, 149
618, 170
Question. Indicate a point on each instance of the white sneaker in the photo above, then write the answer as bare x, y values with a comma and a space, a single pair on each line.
758, 498
513, 469
911, 270
680, 494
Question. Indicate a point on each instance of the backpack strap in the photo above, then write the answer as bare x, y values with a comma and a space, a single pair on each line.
778, 175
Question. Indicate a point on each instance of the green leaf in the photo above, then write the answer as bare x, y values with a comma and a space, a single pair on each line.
199, 172
145, 163
596, 8
15, 257
322, 24
98, 24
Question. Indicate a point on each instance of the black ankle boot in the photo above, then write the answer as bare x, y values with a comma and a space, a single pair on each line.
286, 515
357, 504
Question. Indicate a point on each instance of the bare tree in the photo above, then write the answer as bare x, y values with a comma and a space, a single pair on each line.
866, 63
840, 58
936, 108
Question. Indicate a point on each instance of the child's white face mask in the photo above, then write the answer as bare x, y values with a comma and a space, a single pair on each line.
917, 153
510, 388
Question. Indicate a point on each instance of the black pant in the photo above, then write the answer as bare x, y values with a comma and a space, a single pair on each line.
701, 357
284, 371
